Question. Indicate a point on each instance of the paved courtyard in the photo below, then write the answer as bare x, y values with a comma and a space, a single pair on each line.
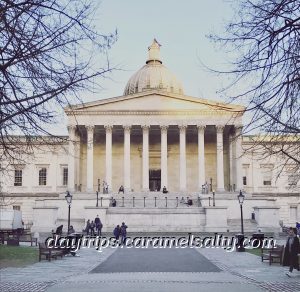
151, 270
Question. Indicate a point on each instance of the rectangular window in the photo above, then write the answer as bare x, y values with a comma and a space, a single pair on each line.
43, 176
18, 178
244, 180
18, 208
267, 174
65, 176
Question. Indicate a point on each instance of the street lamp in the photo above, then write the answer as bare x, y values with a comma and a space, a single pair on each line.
241, 199
68, 198
214, 200
97, 194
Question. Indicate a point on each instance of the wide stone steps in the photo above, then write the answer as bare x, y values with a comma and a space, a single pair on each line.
234, 225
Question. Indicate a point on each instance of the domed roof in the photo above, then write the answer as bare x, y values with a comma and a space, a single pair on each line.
153, 75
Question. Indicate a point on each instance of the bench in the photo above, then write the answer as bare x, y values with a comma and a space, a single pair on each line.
272, 253
49, 253
27, 237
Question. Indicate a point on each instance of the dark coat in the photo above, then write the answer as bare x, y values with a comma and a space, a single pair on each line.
123, 230
291, 258
98, 223
117, 232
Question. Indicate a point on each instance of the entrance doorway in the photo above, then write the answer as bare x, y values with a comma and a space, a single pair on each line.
154, 180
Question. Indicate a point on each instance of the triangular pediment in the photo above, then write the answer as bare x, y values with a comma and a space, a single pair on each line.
154, 101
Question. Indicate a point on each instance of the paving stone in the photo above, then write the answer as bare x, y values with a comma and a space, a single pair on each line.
236, 271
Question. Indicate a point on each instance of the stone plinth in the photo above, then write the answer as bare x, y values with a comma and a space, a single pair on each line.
44, 219
267, 218
216, 219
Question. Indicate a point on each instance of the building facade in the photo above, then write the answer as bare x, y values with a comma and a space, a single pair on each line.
153, 136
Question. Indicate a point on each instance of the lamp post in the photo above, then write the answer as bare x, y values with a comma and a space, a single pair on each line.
97, 194
68, 198
241, 199
214, 200
240, 237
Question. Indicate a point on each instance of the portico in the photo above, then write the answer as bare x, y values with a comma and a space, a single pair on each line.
149, 147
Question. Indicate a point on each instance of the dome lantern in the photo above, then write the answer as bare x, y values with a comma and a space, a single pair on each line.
153, 76
154, 52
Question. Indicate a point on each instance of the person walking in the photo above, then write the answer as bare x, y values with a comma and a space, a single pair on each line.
92, 228
98, 225
292, 248
117, 232
123, 231
88, 227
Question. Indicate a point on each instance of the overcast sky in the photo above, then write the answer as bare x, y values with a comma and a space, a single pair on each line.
181, 27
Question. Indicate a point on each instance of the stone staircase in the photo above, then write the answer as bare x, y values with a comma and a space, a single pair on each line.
234, 225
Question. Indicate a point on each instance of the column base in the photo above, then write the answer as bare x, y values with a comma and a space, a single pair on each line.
90, 191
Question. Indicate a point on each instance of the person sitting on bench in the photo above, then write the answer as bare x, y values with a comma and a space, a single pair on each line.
121, 189
165, 191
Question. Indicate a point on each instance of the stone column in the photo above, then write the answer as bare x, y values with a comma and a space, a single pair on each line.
164, 156
71, 158
77, 162
127, 158
238, 158
182, 165
90, 159
108, 156
201, 156
220, 162
145, 158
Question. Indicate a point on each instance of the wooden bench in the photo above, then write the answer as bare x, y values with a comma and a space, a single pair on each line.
27, 237
273, 253
49, 253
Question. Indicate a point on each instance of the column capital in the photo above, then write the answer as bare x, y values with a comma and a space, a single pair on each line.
220, 128
90, 128
145, 127
201, 127
108, 128
182, 128
164, 128
127, 128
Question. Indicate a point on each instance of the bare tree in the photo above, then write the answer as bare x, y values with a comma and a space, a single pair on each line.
48, 54
265, 35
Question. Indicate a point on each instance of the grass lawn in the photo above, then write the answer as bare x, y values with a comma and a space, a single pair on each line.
18, 256
255, 251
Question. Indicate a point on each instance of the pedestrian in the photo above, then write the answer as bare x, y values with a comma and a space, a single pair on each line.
88, 227
92, 228
98, 225
121, 190
292, 248
123, 231
71, 229
117, 232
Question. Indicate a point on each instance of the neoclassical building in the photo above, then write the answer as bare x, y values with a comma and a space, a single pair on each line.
153, 136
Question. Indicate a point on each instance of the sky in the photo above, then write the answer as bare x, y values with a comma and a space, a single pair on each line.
181, 27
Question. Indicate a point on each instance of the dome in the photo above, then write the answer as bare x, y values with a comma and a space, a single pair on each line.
153, 75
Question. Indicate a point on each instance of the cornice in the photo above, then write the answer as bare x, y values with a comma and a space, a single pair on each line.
159, 113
